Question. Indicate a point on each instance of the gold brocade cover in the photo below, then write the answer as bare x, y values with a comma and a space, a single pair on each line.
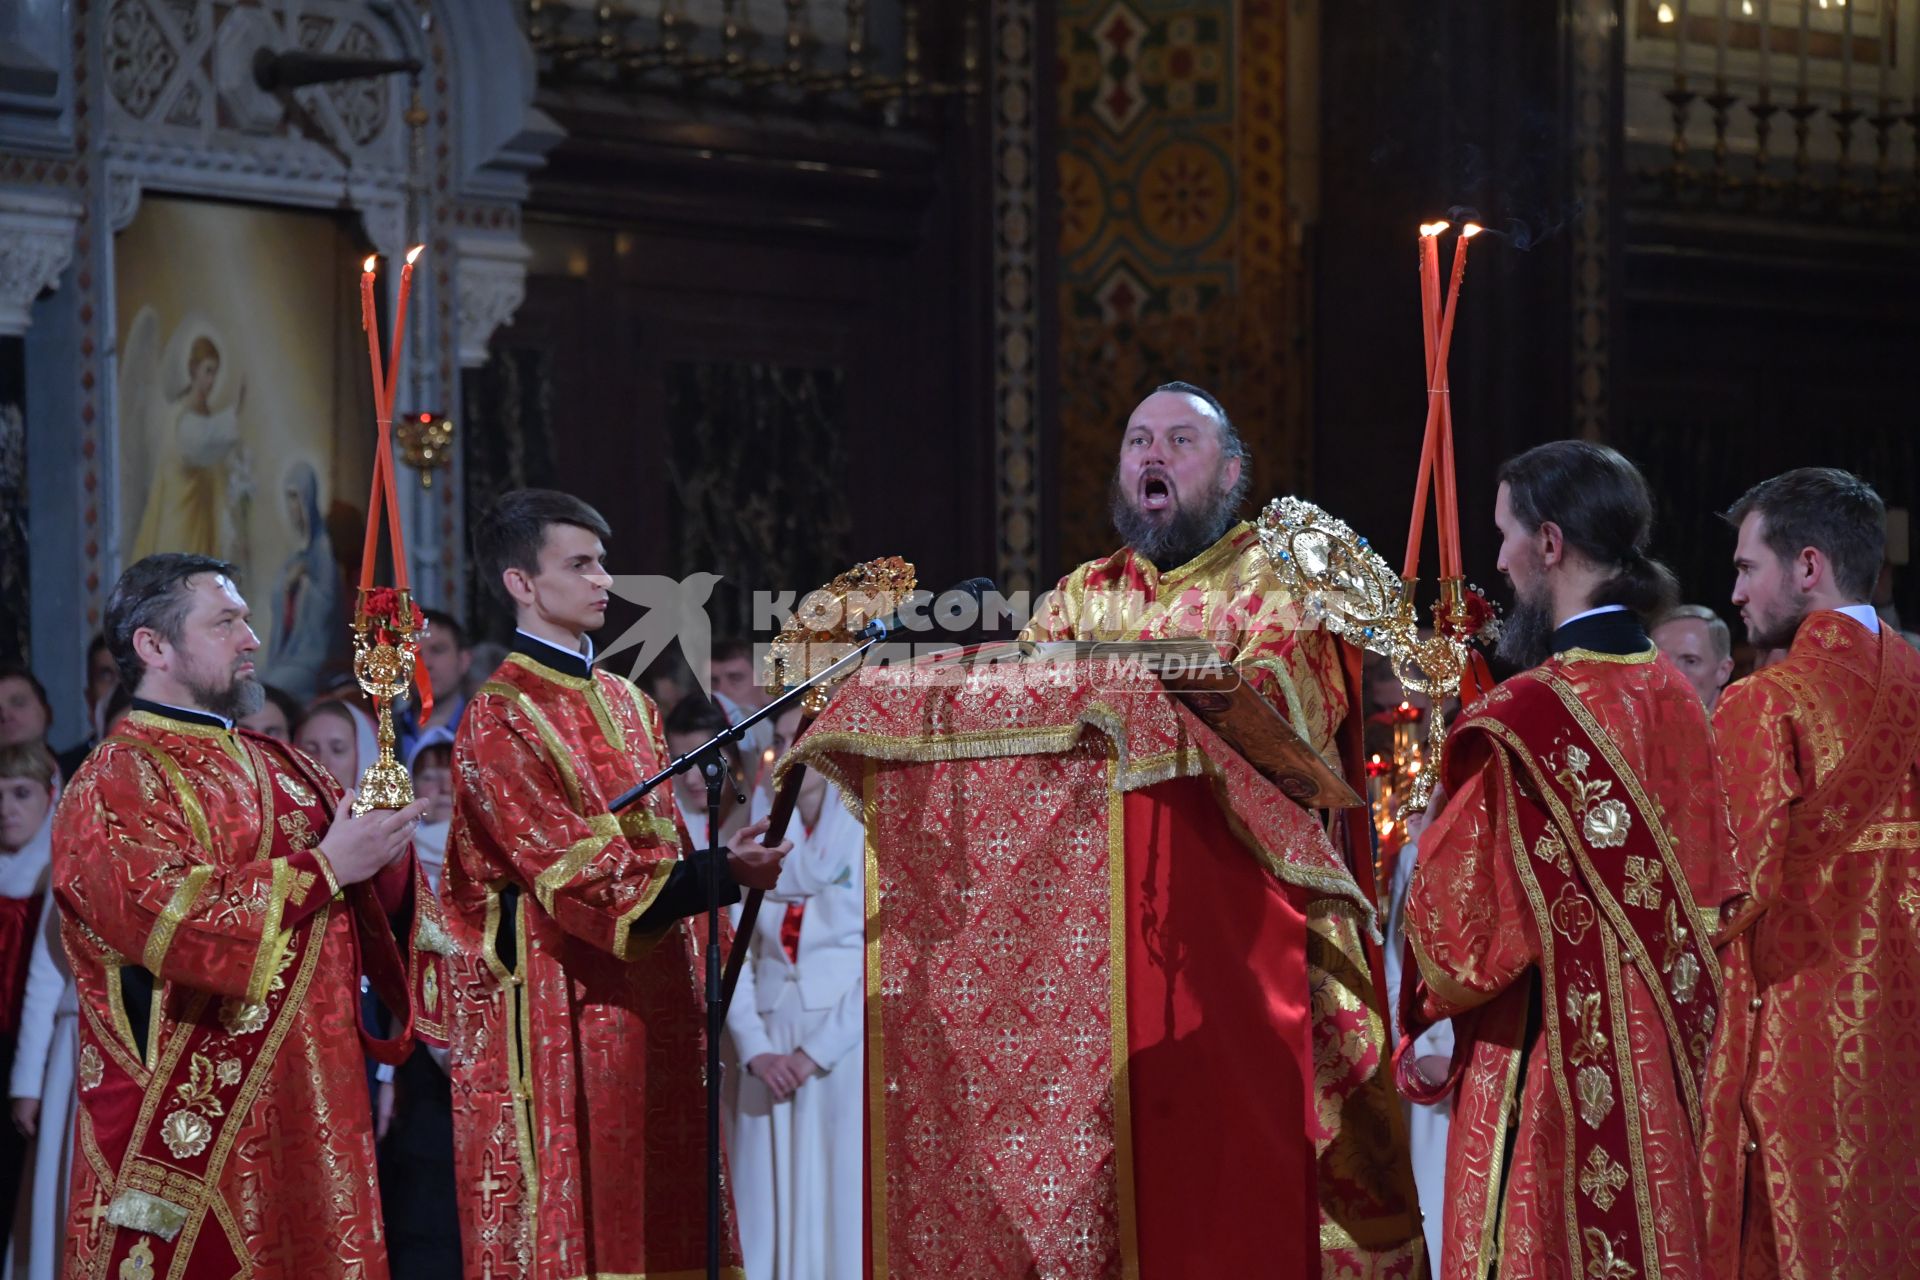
997, 1020
1813, 1103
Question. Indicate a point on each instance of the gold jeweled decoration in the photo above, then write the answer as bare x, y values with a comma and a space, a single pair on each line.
425, 441
386, 642
1347, 586
826, 625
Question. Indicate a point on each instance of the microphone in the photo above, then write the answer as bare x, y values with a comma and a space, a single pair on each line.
882, 628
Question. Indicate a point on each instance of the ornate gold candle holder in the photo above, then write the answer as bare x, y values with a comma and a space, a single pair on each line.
383, 662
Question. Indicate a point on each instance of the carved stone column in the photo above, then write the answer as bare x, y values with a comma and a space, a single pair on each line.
36, 244
492, 285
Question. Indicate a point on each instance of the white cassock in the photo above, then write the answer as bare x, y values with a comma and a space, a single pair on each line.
43, 1068
1426, 1126
796, 1164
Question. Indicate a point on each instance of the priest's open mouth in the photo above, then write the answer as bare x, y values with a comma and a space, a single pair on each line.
1155, 494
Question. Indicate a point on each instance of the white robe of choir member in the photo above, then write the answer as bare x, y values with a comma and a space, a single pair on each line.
43, 1068
796, 1163
1426, 1126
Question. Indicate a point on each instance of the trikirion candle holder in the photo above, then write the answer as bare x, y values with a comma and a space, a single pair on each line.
386, 646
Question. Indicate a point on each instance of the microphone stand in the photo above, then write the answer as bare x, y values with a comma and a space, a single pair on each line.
709, 757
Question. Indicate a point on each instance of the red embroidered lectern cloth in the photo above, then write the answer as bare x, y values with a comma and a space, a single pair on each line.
1113, 1027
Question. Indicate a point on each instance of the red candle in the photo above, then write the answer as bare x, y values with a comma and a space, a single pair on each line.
369, 320
1447, 496
400, 327
1429, 323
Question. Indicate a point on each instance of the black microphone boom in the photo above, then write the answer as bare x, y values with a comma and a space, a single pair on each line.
884, 628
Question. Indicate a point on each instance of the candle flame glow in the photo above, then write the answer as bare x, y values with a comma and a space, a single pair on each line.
414, 253
1471, 230
1664, 14
368, 265
1746, 8
767, 755
1433, 228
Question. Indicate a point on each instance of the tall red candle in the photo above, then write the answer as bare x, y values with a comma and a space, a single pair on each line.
1429, 324
370, 321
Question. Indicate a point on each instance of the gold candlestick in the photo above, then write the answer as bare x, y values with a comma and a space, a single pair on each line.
383, 661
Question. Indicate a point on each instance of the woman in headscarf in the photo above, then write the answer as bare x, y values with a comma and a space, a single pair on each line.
307, 628
340, 738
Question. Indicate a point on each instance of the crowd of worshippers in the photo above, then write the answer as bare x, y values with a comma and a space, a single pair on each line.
793, 1131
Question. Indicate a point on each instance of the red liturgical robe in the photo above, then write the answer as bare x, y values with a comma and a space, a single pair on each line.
223, 1109
1815, 1097
578, 1039
1554, 913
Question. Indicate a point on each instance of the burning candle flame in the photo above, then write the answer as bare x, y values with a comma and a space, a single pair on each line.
1471, 230
1664, 14
414, 253
1433, 228
368, 265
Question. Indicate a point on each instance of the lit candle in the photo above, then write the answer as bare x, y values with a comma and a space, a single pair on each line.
369, 320
1720, 49
400, 326
1429, 324
1806, 19
1446, 499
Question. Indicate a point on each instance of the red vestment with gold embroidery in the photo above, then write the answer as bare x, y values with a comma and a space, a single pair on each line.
578, 1101
1555, 915
1814, 1101
1361, 1178
231, 1132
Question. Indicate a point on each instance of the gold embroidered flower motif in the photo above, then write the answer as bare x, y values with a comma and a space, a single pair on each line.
138, 1264
296, 792
186, 1134
1606, 824
1602, 1262
92, 1068
241, 1018
197, 1090
1686, 976
228, 1072
1594, 1089
1589, 1042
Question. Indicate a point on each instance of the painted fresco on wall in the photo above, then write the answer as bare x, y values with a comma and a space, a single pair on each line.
245, 413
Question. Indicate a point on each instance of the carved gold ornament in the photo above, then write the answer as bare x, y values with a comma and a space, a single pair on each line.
826, 625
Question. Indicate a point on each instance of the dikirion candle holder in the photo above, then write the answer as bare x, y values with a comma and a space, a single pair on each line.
387, 629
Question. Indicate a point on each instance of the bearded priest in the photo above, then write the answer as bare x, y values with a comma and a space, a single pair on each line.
1190, 569
1814, 1114
1564, 903
220, 906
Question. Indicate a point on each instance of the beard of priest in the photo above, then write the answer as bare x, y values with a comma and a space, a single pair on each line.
578, 1024
220, 909
1190, 570
1814, 1120
1564, 902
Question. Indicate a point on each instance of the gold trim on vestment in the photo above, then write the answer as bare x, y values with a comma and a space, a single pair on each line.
626, 947
533, 666
1122, 1083
160, 938
1550, 1019
549, 737
1614, 659
603, 829
176, 779
167, 724
1886, 835
273, 939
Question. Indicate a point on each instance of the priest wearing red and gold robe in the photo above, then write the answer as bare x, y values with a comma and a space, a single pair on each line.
1564, 903
220, 909
1814, 1162
578, 1023
1332, 1191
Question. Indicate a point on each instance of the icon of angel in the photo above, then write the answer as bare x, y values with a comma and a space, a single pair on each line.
180, 429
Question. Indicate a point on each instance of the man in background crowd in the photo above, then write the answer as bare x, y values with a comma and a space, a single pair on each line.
1698, 642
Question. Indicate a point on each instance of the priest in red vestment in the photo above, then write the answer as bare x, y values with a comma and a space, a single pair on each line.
1814, 1101
220, 910
578, 1020
1188, 569
1564, 903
